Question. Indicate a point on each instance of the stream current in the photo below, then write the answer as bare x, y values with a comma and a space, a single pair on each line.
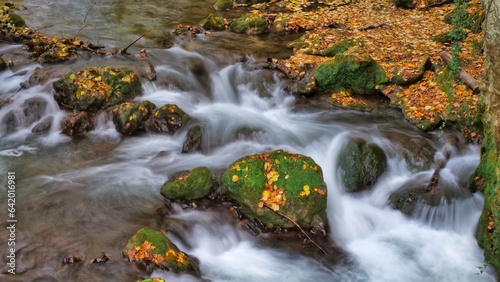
87, 197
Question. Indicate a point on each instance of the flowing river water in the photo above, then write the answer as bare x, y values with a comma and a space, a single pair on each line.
87, 197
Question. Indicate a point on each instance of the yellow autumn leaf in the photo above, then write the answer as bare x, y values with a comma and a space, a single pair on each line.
126, 78
306, 190
235, 178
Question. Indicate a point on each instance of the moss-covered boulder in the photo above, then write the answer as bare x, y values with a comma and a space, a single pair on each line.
251, 24
278, 181
361, 163
214, 22
188, 185
93, 89
129, 117
77, 124
9, 21
341, 46
167, 119
348, 72
152, 249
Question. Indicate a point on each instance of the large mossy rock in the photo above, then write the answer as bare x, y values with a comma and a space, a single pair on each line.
251, 24
348, 72
188, 185
152, 249
93, 89
361, 164
167, 119
278, 181
214, 22
129, 117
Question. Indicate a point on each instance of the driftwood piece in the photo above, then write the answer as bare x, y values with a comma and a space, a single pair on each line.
465, 77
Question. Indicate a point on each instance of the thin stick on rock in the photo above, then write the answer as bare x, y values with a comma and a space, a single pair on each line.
298, 226
124, 50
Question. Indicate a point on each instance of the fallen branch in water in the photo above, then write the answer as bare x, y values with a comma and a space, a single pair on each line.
298, 226
84, 21
123, 51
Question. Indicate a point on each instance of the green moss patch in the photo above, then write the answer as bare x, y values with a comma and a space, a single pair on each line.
191, 185
252, 24
361, 76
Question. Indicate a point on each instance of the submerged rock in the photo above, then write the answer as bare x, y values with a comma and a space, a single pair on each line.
223, 5
34, 108
77, 124
251, 24
347, 72
44, 125
96, 88
272, 186
151, 249
425, 191
167, 119
129, 117
361, 163
214, 22
417, 151
188, 185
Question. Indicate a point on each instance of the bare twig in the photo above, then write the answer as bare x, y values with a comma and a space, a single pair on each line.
84, 21
124, 50
298, 226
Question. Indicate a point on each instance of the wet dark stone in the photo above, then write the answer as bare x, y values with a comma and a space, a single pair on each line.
193, 140
44, 125
102, 259
77, 124
34, 108
10, 122
71, 260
